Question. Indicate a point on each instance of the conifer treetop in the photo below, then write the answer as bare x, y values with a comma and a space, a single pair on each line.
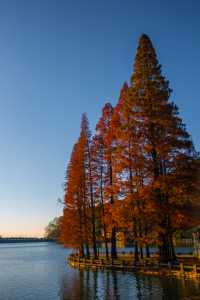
147, 70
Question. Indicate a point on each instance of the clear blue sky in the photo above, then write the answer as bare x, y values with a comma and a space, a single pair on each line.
61, 58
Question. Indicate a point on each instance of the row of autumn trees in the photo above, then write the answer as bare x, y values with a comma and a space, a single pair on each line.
138, 172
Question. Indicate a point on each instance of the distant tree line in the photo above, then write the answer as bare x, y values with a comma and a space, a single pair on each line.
52, 230
138, 172
22, 239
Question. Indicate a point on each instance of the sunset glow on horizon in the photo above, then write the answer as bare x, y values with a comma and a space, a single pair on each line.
22, 230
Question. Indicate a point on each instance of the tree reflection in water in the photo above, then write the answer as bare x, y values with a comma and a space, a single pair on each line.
107, 285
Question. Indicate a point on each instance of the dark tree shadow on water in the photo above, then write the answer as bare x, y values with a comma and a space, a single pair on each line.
76, 287
116, 294
162, 288
107, 285
181, 289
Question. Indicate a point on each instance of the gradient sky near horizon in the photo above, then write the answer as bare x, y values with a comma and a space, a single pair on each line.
61, 58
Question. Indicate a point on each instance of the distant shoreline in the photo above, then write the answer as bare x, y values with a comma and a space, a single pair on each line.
24, 240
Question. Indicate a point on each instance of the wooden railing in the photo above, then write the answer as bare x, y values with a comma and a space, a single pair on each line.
145, 266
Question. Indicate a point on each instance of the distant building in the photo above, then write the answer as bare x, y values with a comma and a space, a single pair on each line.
123, 239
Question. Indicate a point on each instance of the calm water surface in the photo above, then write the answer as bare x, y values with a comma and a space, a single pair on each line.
38, 271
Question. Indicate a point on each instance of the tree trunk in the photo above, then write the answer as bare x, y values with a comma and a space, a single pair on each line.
94, 240
113, 243
92, 205
173, 254
140, 233
164, 248
167, 252
146, 245
103, 214
136, 254
147, 251
81, 251
113, 234
141, 253
106, 242
85, 224
87, 250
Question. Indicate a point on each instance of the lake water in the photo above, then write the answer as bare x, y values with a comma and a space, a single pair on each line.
38, 271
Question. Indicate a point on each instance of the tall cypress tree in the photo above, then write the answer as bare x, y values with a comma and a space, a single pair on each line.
167, 146
99, 172
86, 149
130, 170
105, 131
74, 223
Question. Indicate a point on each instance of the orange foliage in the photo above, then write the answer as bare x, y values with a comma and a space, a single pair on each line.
140, 172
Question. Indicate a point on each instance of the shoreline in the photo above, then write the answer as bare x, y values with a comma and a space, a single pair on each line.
24, 240
146, 267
